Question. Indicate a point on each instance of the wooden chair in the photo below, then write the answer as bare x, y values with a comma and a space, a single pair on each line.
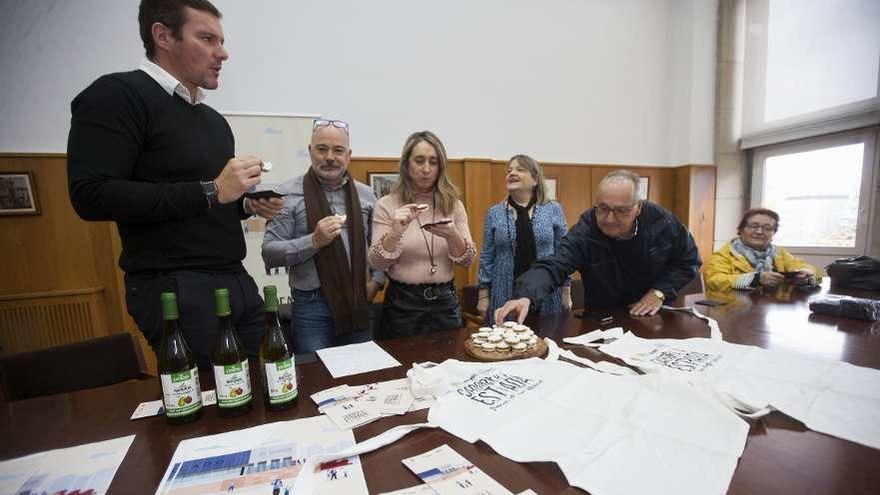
80, 365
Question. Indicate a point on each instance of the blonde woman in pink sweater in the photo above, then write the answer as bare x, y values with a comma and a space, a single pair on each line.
420, 231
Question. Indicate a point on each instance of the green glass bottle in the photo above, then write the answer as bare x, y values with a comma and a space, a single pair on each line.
181, 392
232, 376
277, 366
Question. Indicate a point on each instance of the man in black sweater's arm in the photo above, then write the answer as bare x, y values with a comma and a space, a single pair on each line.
144, 152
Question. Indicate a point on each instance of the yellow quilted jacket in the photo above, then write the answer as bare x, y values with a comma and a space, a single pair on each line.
726, 266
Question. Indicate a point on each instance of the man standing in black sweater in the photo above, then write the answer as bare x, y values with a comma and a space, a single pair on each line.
144, 152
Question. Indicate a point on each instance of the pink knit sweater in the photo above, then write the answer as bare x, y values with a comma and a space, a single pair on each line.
410, 263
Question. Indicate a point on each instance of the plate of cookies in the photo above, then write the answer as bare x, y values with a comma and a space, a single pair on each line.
503, 342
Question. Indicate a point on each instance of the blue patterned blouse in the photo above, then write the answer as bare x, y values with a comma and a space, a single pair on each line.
499, 247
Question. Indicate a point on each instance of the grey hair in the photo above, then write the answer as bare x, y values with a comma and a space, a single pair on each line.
623, 174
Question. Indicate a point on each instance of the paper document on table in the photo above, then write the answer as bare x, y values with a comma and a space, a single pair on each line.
413, 490
448, 473
611, 333
87, 468
155, 407
355, 358
262, 459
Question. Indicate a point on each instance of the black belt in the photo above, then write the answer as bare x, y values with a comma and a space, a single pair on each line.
431, 292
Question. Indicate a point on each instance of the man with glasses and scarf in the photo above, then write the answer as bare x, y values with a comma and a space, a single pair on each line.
322, 234
629, 252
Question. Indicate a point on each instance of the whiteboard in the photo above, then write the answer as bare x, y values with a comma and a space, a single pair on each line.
283, 140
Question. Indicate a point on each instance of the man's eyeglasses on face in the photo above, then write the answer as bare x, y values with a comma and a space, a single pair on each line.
327, 122
619, 211
754, 227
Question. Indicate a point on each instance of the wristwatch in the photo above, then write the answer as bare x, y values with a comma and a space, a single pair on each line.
209, 189
658, 294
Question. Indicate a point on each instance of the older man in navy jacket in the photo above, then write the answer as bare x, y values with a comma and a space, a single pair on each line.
629, 252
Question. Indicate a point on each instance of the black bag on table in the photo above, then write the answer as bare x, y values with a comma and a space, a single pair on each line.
858, 272
846, 306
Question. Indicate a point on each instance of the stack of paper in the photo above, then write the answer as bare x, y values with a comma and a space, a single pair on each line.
352, 406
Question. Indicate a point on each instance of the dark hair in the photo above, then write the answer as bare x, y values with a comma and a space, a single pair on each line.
171, 14
757, 211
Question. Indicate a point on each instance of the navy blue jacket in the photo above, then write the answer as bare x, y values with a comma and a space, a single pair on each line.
673, 261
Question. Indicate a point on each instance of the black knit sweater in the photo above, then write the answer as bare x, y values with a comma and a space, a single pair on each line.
136, 156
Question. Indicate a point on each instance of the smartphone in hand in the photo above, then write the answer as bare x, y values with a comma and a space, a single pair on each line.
434, 224
266, 194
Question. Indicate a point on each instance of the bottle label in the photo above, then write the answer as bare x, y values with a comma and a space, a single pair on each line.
233, 384
181, 392
281, 381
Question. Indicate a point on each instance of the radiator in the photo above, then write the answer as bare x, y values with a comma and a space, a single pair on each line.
46, 319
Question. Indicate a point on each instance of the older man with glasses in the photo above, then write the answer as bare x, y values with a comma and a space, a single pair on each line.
629, 252
322, 234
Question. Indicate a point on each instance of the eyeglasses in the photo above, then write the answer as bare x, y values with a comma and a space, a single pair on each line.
328, 122
619, 211
762, 227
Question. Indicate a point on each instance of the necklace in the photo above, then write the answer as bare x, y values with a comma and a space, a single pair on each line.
433, 266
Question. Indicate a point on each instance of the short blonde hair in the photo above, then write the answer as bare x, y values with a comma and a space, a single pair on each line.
537, 172
446, 191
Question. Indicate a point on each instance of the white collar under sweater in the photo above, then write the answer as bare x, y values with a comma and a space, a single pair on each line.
170, 84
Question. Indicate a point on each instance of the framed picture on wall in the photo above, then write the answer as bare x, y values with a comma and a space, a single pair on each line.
644, 183
18, 194
550, 188
382, 183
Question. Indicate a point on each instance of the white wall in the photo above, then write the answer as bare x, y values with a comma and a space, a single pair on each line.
601, 81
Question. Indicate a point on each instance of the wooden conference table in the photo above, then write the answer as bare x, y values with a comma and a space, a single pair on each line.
781, 455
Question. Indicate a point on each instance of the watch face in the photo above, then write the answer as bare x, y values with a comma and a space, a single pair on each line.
209, 188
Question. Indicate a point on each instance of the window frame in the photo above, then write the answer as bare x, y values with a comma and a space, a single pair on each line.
868, 192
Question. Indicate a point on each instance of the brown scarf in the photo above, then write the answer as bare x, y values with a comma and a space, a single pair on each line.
346, 295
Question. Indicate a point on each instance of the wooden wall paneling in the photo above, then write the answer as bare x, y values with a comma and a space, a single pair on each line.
573, 186
51, 250
479, 192
695, 205
457, 176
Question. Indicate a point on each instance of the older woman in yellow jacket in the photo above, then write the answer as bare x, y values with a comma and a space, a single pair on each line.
751, 260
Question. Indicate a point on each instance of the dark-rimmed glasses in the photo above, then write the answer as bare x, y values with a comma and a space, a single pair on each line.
328, 122
754, 227
619, 211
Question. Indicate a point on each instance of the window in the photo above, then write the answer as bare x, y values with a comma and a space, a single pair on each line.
822, 190
811, 68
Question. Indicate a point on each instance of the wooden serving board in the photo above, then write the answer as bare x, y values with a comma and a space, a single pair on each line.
475, 351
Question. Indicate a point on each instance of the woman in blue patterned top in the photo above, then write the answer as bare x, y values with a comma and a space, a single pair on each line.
524, 227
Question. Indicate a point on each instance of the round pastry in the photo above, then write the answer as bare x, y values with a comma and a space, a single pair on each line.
479, 341
494, 338
266, 166
520, 346
510, 324
501, 346
487, 346
533, 340
485, 329
513, 339
520, 328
